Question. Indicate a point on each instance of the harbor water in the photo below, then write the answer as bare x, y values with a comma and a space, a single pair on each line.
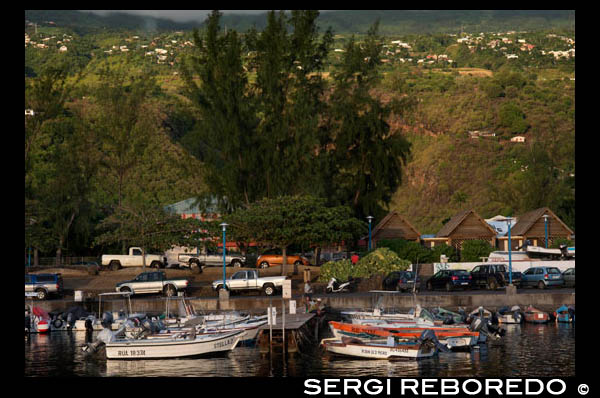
527, 350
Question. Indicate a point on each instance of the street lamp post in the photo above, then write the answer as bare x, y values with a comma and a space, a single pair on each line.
546, 228
509, 254
224, 225
370, 218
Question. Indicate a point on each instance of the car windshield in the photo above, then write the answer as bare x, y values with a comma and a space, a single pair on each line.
409, 275
553, 271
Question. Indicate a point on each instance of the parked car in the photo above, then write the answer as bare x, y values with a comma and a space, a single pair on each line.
542, 277
450, 279
492, 276
569, 277
400, 281
153, 282
211, 259
91, 267
333, 256
44, 285
251, 280
271, 259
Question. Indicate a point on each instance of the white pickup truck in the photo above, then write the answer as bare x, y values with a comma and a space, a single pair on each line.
210, 259
250, 280
133, 259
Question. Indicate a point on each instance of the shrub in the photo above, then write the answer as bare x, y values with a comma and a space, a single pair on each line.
406, 250
380, 261
472, 250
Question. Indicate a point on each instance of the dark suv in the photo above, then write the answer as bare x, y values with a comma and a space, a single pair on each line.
400, 281
44, 285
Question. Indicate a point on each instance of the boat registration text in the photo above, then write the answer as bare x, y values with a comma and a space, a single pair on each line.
131, 353
224, 343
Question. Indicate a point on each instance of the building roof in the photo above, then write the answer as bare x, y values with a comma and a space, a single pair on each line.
527, 220
193, 205
455, 222
401, 227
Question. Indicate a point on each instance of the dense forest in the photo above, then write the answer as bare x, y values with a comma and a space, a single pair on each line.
391, 118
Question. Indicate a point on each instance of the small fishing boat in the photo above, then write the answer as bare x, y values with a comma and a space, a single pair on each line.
250, 326
178, 346
393, 348
416, 317
565, 314
447, 317
450, 337
534, 315
118, 318
174, 347
514, 315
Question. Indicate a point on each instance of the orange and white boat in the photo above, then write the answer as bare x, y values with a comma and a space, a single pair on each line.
451, 337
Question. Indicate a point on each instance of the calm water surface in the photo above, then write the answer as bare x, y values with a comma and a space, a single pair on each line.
526, 350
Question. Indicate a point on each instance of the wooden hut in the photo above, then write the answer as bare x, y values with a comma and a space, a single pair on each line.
467, 225
394, 226
531, 226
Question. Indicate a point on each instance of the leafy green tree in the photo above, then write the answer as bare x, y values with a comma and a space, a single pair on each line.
287, 220
60, 183
512, 118
365, 163
473, 250
230, 147
449, 251
123, 127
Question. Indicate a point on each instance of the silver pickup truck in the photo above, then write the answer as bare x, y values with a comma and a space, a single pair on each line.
210, 259
153, 282
250, 280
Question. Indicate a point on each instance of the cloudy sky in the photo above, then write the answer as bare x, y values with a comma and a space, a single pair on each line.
178, 15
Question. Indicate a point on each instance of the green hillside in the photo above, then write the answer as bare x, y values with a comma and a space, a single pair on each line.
341, 21
458, 99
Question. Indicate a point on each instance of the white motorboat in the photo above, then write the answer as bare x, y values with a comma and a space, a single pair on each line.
118, 318
390, 349
182, 345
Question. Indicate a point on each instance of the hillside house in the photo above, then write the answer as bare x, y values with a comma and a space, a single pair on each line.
518, 138
393, 226
532, 226
464, 226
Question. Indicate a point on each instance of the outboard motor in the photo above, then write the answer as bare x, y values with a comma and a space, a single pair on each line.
448, 319
463, 314
428, 337
89, 328
70, 321
517, 314
572, 314
107, 319
105, 336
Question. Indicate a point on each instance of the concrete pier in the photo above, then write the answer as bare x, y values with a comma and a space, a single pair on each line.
547, 300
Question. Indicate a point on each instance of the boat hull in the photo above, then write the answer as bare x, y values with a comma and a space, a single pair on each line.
173, 348
533, 315
379, 351
451, 337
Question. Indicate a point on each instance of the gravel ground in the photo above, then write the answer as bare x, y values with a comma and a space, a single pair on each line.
200, 284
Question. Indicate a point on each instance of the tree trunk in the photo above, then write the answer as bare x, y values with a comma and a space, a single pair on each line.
58, 255
284, 262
